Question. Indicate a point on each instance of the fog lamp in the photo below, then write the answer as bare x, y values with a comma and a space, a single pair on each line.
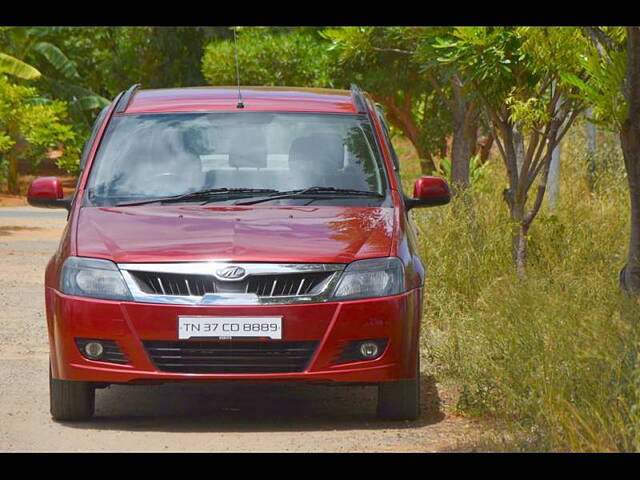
369, 350
93, 350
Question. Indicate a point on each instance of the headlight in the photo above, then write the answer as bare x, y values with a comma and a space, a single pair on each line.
93, 277
376, 277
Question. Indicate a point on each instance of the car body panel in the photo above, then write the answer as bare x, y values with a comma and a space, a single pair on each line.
283, 99
295, 234
331, 323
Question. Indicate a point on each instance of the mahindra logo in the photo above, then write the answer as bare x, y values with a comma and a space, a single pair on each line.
230, 273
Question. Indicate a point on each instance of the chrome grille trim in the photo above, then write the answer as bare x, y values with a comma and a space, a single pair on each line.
262, 284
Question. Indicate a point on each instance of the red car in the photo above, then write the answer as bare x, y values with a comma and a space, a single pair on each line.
256, 238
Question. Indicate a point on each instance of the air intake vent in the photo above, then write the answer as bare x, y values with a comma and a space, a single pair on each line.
231, 356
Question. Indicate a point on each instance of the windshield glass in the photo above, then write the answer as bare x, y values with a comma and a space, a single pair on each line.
151, 156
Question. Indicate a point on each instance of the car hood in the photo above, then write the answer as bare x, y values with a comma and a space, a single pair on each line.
285, 234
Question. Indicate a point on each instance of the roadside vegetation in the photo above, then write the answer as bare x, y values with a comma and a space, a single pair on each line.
527, 312
551, 358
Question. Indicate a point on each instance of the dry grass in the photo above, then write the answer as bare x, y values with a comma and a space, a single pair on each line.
553, 356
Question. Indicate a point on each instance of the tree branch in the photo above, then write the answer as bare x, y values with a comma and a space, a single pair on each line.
601, 41
393, 50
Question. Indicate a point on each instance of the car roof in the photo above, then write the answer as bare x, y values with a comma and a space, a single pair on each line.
283, 99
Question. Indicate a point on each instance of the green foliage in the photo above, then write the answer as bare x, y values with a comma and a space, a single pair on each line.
18, 68
35, 123
378, 59
86, 67
477, 172
384, 61
161, 57
602, 89
60, 78
491, 58
57, 59
269, 57
516, 67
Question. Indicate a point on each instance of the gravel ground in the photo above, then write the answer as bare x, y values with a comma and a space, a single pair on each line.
178, 417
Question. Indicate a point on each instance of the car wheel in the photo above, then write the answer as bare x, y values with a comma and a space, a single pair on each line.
400, 400
71, 400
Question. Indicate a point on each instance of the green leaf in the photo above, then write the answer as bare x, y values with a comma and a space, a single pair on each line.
56, 58
18, 68
90, 102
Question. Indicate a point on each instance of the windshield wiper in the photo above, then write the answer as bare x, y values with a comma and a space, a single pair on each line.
336, 192
198, 195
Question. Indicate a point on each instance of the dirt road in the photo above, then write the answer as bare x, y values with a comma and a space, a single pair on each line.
174, 417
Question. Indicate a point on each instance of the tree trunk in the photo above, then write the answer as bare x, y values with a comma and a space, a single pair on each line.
465, 131
554, 178
12, 157
519, 248
426, 164
630, 140
519, 232
444, 148
462, 147
13, 186
518, 143
484, 147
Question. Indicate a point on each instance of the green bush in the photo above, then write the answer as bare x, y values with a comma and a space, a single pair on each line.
477, 172
29, 125
268, 56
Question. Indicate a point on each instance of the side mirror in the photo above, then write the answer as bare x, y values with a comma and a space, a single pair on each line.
46, 192
429, 192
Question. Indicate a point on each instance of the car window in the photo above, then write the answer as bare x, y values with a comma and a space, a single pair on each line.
151, 155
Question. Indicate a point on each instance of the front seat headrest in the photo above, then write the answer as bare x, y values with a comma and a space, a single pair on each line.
322, 153
249, 149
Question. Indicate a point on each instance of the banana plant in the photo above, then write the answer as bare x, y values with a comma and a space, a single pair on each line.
31, 43
18, 68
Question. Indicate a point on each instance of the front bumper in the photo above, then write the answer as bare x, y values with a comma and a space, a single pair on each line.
331, 324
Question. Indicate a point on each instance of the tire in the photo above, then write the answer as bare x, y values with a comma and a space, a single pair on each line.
71, 401
400, 400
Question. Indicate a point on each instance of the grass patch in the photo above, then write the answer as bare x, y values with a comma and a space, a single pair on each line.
554, 358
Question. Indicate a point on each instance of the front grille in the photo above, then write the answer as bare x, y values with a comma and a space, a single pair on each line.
285, 285
231, 356
174, 283
291, 284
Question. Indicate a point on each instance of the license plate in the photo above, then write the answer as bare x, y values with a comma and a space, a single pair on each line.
229, 327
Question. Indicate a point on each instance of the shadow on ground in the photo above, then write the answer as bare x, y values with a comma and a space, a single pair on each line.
234, 407
10, 229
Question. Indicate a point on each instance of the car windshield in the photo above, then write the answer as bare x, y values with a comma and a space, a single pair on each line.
152, 156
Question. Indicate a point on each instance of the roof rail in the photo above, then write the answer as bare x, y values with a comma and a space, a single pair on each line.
358, 98
123, 103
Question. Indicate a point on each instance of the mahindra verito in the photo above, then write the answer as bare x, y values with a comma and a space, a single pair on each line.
214, 236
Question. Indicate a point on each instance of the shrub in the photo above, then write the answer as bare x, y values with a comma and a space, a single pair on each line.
29, 125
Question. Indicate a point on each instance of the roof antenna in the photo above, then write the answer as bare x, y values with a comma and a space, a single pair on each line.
235, 43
